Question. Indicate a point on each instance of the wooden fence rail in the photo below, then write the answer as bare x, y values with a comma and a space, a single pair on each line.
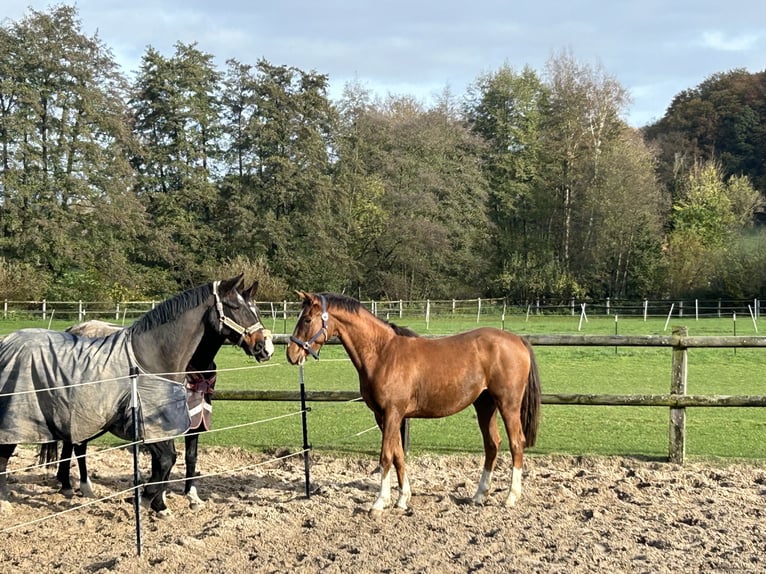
677, 400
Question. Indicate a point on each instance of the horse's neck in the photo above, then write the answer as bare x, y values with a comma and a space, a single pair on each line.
363, 337
169, 347
206, 351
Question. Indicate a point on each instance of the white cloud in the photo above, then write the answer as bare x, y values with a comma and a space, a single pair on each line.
738, 43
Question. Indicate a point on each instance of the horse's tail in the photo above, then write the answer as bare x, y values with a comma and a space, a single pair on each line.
530, 404
49, 453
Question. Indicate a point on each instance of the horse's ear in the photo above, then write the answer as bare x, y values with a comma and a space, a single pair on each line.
229, 284
251, 291
301, 295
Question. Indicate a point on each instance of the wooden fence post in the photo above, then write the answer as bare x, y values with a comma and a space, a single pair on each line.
677, 448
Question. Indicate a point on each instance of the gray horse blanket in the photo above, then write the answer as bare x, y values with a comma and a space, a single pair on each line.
57, 386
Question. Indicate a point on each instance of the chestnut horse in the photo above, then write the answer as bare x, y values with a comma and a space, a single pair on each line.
402, 375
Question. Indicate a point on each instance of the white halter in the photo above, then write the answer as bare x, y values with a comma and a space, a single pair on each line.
231, 323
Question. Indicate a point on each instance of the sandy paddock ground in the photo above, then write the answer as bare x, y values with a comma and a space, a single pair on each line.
576, 515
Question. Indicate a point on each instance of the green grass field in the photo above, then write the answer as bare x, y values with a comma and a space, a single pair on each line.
600, 430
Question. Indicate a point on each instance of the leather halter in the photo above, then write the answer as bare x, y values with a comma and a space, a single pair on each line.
306, 345
231, 323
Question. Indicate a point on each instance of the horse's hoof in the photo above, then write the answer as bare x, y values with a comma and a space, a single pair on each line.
164, 514
5, 507
86, 489
376, 512
195, 502
67, 492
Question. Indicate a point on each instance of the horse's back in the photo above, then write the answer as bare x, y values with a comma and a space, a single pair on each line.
59, 386
481, 344
42, 397
94, 328
442, 375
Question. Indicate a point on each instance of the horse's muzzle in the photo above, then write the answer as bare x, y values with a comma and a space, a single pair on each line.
262, 348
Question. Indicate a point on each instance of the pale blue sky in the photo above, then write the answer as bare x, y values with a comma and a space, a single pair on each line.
653, 48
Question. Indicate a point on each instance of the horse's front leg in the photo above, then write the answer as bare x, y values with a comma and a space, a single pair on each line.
190, 489
391, 452
63, 470
86, 486
65, 463
163, 458
6, 451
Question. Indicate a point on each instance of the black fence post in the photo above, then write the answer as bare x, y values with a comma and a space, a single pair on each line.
304, 421
405, 432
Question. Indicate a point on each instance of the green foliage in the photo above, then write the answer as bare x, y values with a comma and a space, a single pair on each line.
524, 278
21, 281
723, 119
530, 186
739, 269
270, 287
411, 174
710, 216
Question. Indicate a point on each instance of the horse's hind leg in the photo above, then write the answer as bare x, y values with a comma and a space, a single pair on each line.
64, 466
486, 413
512, 419
163, 458
6, 450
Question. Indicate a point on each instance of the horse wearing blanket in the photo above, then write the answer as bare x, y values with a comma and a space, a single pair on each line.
58, 386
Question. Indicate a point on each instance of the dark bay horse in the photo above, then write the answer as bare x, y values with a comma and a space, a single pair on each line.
402, 375
58, 386
199, 388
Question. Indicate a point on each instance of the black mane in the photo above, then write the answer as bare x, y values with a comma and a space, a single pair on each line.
403, 331
171, 308
346, 303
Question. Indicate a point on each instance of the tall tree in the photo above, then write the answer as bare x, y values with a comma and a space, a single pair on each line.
628, 210
582, 120
65, 142
721, 119
505, 108
278, 188
176, 109
413, 179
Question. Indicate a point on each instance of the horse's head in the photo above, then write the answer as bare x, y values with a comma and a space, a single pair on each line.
311, 329
239, 320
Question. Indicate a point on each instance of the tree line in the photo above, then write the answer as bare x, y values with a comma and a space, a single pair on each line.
530, 185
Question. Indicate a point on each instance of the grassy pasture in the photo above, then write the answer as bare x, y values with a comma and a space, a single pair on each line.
601, 430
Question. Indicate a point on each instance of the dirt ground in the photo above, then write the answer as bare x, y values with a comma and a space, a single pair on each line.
576, 515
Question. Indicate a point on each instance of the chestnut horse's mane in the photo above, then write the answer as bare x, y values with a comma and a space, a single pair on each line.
351, 305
